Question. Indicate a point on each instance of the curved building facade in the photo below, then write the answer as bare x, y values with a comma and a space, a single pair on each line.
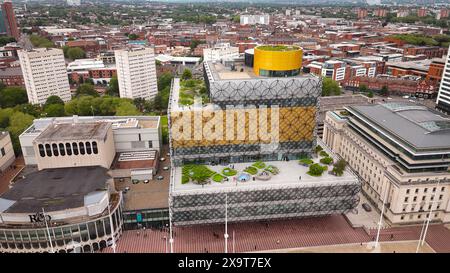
82, 214
277, 61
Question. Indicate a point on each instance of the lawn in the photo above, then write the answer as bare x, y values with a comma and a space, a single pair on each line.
196, 173
259, 165
251, 170
218, 177
189, 89
229, 172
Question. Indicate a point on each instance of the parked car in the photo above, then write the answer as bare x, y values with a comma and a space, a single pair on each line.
162, 159
135, 181
366, 207
146, 181
166, 168
160, 177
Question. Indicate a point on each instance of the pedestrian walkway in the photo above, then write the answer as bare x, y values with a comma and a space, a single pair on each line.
280, 234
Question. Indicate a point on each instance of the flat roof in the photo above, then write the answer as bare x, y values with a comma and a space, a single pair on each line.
416, 125
3, 134
289, 175
74, 131
55, 189
144, 159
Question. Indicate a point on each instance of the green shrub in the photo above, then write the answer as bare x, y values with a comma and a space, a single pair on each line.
316, 169
318, 149
306, 161
272, 169
184, 179
217, 177
324, 154
339, 167
259, 165
326, 160
229, 172
251, 170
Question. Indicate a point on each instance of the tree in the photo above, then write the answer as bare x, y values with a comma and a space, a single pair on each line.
330, 88
236, 19
17, 124
165, 79
384, 91
195, 43
75, 53
363, 88
53, 100
86, 89
316, 169
113, 87
339, 167
12, 96
127, 109
6, 39
370, 94
55, 110
187, 74
133, 36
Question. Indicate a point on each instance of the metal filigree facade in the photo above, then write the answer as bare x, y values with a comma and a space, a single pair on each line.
265, 203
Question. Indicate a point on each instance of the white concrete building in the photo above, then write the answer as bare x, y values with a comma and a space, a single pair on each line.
6, 151
221, 51
129, 134
136, 73
262, 19
44, 74
443, 98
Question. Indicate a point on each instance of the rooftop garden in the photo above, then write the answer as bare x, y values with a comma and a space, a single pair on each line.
278, 48
191, 88
198, 174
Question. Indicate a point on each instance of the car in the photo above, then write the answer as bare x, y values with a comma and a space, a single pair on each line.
166, 168
366, 207
160, 177
162, 159
146, 181
135, 181
168, 154
406, 97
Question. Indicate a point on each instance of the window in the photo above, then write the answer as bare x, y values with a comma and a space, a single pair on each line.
423, 198
62, 151
443, 189
2, 151
55, 149
81, 145
417, 190
41, 150
403, 217
150, 144
75, 148
48, 150
419, 216
68, 149
425, 190
407, 191
88, 148
406, 199
440, 197
415, 199
94, 147
434, 189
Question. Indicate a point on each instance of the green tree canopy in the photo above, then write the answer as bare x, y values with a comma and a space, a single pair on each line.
384, 91
127, 109
330, 88
12, 96
18, 122
187, 74
113, 87
39, 41
133, 36
54, 100
363, 88
86, 89
75, 53
164, 80
6, 39
55, 110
